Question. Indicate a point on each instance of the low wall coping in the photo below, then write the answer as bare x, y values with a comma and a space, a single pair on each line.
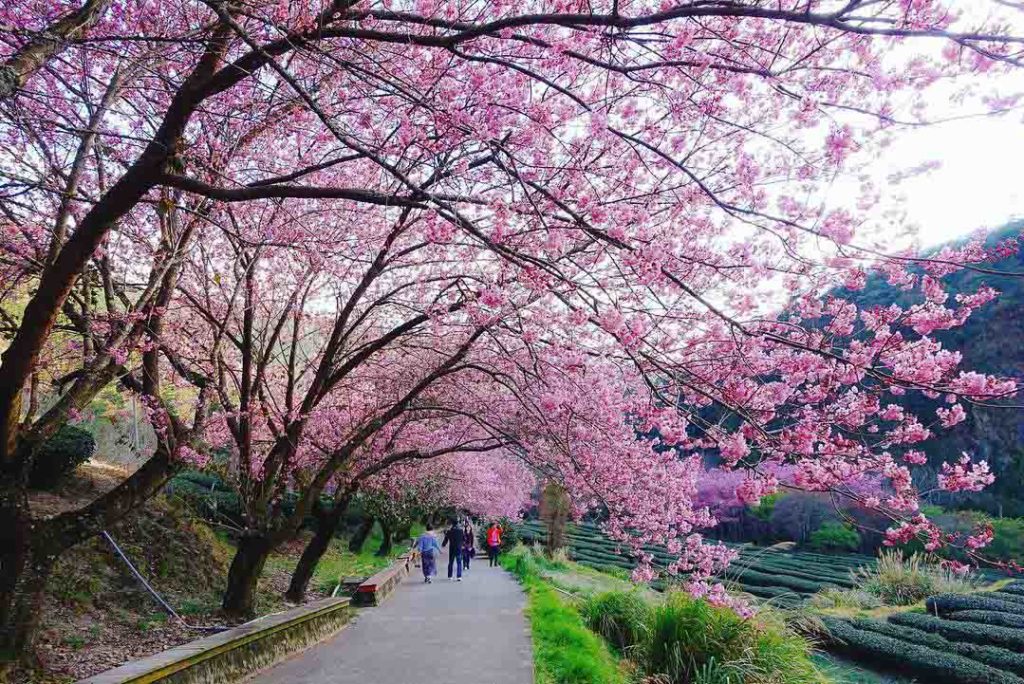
380, 577
160, 665
377, 587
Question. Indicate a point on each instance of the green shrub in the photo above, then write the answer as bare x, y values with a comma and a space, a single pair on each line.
1006, 637
833, 536
763, 509
216, 505
987, 617
947, 603
1014, 588
921, 661
1008, 541
210, 481
623, 618
693, 641
69, 448
990, 655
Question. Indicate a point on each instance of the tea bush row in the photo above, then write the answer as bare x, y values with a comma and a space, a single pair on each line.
977, 633
948, 603
923, 662
766, 580
988, 617
994, 656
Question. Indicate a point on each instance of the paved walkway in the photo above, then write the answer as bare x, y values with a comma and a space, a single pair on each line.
469, 631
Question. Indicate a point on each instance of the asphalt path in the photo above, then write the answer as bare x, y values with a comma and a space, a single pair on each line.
468, 631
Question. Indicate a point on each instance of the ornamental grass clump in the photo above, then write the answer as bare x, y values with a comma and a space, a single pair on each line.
900, 581
623, 618
694, 642
856, 599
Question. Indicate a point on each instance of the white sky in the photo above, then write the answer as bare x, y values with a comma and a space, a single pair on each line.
979, 184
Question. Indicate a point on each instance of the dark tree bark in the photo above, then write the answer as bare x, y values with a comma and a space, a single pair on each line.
29, 547
355, 545
244, 575
326, 525
30, 58
387, 539
22, 579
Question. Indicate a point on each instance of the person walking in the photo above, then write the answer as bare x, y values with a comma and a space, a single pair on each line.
454, 540
493, 543
468, 546
429, 551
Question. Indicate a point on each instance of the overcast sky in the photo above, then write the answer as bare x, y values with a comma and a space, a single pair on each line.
979, 184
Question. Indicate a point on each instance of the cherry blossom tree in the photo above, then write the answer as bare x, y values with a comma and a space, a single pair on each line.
613, 218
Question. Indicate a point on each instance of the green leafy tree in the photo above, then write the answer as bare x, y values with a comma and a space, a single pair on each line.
833, 536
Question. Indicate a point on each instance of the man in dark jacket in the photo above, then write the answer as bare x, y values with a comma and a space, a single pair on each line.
454, 539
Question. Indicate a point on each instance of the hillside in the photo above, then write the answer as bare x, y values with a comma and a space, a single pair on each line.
991, 341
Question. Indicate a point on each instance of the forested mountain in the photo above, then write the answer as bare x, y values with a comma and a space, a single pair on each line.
992, 341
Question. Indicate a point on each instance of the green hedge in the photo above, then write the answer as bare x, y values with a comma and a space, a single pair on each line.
776, 568
796, 561
1007, 596
834, 536
1006, 637
988, 617
994, 656
67, 449
775, 580
1014, 588
929, 664
772, 592
210, 481
947, 603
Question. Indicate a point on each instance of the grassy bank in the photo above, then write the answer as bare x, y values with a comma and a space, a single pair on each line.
97, 615
629, 634
565, 651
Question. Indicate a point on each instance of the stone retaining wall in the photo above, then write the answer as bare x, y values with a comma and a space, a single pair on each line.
230, 655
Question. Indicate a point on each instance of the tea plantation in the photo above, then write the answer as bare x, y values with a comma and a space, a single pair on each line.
975, 638
963, 638
783, 577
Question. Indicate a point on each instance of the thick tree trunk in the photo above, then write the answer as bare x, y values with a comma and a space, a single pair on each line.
25, 565
244, 575
326, 526
387, 540
29, 548
311, 555
355, 545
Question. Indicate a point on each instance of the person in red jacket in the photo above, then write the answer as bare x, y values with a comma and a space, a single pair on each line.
493, 543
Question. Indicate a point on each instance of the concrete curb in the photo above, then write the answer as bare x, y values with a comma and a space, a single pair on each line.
237, 652
378, 587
